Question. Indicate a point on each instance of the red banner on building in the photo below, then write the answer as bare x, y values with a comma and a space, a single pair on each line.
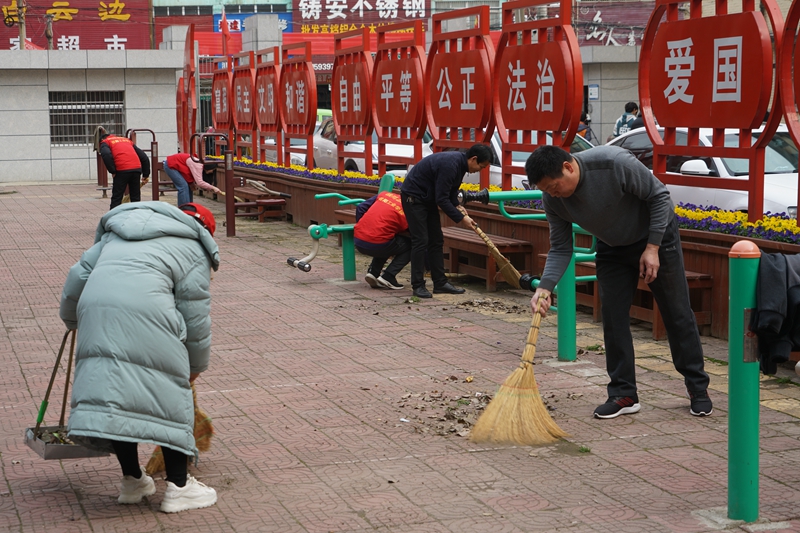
80, 24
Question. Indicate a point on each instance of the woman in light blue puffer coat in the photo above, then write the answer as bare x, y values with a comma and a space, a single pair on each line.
140, 301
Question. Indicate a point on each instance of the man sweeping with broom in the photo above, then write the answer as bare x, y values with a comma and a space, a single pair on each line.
609, 193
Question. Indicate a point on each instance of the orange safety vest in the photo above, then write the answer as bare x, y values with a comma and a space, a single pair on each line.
125, 156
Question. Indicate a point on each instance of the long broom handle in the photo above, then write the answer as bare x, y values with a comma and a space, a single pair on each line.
43, 406
533, 336
481, 234
66, 387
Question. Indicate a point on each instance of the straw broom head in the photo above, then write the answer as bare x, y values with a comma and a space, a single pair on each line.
517, 414
203, 430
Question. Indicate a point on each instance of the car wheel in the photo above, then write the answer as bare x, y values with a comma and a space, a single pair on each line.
350, 166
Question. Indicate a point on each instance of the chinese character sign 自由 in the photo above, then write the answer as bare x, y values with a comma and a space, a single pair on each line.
711, 72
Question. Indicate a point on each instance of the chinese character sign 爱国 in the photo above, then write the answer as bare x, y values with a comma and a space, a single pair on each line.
708, 72
82, 24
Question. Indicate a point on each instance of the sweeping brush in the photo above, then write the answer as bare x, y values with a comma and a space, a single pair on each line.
507, 270
517, 414
203, 430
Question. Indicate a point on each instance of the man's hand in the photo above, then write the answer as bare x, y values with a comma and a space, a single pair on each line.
649, 263
540, 302
193, 376
468, 222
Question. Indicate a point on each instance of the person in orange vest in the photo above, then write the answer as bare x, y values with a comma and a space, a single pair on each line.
186, 174
381, 232
127, 164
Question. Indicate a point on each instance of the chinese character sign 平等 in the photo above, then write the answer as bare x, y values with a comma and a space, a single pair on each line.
82, 24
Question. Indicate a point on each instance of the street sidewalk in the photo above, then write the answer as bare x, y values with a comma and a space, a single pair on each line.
340, 408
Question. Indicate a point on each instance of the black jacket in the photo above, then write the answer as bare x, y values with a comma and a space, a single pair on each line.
435, 180
777, 317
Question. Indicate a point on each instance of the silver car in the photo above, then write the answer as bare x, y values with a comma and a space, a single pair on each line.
780, 170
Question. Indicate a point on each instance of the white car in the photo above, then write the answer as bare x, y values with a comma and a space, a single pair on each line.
326, 150
518, 181
780, 170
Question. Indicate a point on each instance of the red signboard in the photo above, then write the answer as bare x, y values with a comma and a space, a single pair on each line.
712, 73
538, 80
716, 72
459, 82
221, 100
350, 89
297, 94
268, 113
81, 24
243, 93
533, 88
399, 92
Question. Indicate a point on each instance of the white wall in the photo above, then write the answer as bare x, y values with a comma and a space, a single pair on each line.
148, 78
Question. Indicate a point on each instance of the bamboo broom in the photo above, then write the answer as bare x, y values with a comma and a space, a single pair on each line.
507, 270
203, 430
517, 414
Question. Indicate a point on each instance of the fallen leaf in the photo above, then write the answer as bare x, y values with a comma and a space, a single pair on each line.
468, 379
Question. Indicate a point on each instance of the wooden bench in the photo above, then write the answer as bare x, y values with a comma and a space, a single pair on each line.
265, 206
645, 307
464, 243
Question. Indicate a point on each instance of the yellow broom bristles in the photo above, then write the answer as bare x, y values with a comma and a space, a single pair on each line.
203, 430
517, 414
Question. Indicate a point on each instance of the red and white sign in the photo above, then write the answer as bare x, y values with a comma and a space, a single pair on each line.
266, 96
532, 84
221, 100
399, 93
711, 72
459, 87
81, 24
350, 90
294, 94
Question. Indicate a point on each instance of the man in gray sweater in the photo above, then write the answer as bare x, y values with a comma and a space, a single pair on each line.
609, 193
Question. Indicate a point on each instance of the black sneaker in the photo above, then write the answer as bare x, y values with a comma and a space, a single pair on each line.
371, 280
617, 405
701, 403
448, 288
422, 292
389, 282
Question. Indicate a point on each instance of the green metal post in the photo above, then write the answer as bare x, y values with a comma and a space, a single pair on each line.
567, 321
743, 386
348, 256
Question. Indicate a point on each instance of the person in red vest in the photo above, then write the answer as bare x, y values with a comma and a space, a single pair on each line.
381, 232
186, 174
127, 164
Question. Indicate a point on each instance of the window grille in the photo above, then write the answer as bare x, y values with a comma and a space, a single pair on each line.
75, 115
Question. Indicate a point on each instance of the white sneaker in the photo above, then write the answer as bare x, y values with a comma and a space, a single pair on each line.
132, 490
194, 495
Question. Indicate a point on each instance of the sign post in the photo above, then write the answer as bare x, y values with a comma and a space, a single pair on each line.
244, 71
298, 99
268, 73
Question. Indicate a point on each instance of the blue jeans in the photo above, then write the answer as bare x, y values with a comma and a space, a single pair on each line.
184, 191
399, 248
618, 276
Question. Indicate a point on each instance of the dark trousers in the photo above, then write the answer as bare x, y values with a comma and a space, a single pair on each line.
425, 228
399, 248
618, 276
176, 463
130, 179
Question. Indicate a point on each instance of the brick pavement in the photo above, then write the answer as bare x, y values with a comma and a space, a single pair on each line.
306, 390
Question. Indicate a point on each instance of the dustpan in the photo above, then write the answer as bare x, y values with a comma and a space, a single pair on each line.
51, 442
